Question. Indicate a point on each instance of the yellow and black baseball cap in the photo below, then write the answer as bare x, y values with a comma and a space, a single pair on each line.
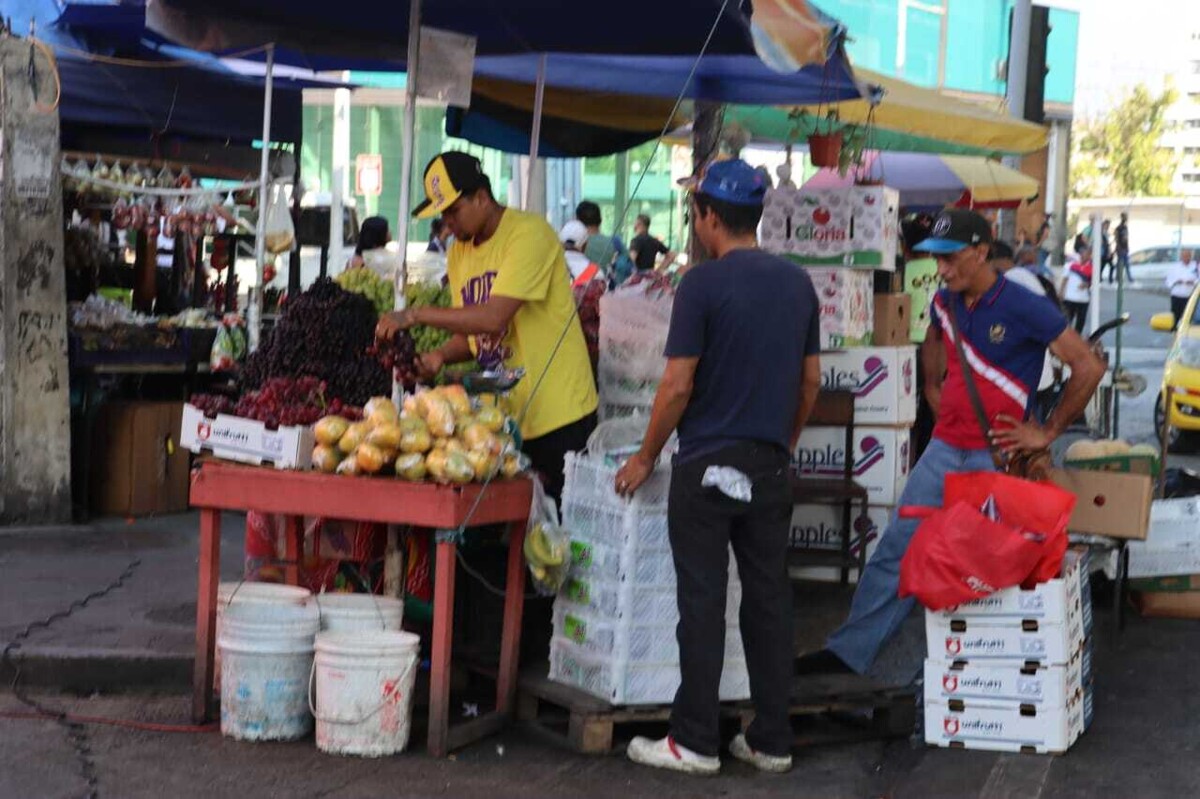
448, 177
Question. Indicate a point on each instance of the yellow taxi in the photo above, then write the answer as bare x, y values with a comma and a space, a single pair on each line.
1181, 377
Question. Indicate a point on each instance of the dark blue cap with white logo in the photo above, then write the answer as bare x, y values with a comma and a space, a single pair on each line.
732, 181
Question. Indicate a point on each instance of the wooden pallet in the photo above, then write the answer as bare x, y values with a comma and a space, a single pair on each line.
849, 707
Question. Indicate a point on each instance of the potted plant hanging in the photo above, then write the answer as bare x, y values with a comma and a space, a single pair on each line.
825, 149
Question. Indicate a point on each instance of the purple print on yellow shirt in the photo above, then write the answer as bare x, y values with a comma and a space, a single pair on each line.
490, 351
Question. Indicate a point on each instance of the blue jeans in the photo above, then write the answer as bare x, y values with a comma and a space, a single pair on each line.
877, 610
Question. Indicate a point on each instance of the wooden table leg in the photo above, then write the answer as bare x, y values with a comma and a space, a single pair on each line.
443, 631
206, 613
514, 607
293, 538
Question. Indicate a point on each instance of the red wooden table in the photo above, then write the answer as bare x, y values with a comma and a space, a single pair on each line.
218, 486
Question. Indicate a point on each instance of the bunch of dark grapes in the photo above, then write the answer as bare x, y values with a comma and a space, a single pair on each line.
398, 356
324, 333
212, 404
285, 402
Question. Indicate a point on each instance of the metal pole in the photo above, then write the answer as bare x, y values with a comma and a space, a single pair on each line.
339, 176
1016, 80
264, 195
410, 143
535, 134
1097, 244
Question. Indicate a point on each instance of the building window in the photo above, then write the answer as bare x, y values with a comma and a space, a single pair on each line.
1191, 123
1191, 178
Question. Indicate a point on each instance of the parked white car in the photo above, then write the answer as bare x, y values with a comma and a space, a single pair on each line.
1149, 265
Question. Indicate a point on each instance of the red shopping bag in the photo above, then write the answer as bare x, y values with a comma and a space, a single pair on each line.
995, 532
1039, 508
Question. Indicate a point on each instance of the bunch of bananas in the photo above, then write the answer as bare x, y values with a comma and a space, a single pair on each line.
427, 295
365, 282
546, 553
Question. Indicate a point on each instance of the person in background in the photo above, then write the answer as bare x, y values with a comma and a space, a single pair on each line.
1106, 254
920, 283
742, 377
645, 249
439, 236
371, 251
608, 252
1181, 280
1122, 246
1005, 331
1042, 242
1018, 269
1076, 288
574, 238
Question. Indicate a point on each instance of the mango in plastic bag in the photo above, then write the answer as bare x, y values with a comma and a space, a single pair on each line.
386, 435
439, 416
490, 417
355, 434
330, 429
476, 436
411, 467
325, 458
458, 468
457, 396
416, 439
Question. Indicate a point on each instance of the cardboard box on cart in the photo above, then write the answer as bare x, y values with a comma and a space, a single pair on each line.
1112, 504
847, 309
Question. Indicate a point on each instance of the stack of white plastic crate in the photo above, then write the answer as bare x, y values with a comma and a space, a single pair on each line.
1013, 672
614, 620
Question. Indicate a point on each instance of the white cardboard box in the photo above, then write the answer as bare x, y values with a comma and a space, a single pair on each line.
1007, 686
881, 458
1173, 543
883, 379
819, 527
1008, 729
245, 440
847, 306
854, 226
1051, 602
1003, 640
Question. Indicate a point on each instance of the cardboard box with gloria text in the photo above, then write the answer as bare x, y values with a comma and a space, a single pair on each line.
818, 528
883, 379
245, 440
879, 461
855, 226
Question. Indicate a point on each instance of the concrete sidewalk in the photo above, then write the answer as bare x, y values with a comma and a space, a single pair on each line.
142, 635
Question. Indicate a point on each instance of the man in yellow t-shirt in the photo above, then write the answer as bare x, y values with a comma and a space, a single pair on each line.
513, 307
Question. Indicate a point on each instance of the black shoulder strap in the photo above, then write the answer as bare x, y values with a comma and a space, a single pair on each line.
972, 389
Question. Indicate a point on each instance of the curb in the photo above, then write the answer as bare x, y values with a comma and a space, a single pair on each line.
99, 671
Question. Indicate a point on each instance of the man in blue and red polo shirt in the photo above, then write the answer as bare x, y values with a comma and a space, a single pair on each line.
1006, 330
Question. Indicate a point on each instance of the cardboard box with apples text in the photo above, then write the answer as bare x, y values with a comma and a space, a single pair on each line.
880, 458
883, 379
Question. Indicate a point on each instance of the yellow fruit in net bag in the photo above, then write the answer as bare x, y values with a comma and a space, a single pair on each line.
457, 397
330, 429
355, 434
325, 458
382, 406
439, 416
411, 466
416, 440
458, 468
435, 463
386, 435
490, 417
371, 459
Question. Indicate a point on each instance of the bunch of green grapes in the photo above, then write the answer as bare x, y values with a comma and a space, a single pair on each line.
365, 282
427, 295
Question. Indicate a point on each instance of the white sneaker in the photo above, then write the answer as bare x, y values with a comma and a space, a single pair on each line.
665, 753
763, 762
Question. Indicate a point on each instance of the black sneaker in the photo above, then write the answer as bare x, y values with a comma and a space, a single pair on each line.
823, 661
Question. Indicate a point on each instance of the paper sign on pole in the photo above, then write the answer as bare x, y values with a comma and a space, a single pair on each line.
447, 65
368, 175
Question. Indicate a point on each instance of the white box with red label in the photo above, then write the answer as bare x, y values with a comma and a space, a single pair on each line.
949, 681
1003, 640
883, 379
237, 439
847, 306
1052, 602
880, 458
819, 528
1015, 728
855, 226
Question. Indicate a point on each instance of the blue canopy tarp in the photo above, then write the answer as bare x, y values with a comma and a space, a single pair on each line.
206, 101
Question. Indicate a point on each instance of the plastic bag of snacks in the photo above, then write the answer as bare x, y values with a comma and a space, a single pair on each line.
279, 231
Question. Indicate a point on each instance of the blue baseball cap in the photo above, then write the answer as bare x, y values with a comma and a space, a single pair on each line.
731, 180
956, 229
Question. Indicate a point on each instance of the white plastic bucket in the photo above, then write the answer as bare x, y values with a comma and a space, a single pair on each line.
251, 591
359, 612
364, 691
267, 654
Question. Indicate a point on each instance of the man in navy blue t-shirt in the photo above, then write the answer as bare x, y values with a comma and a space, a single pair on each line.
742, 377
1005, 330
